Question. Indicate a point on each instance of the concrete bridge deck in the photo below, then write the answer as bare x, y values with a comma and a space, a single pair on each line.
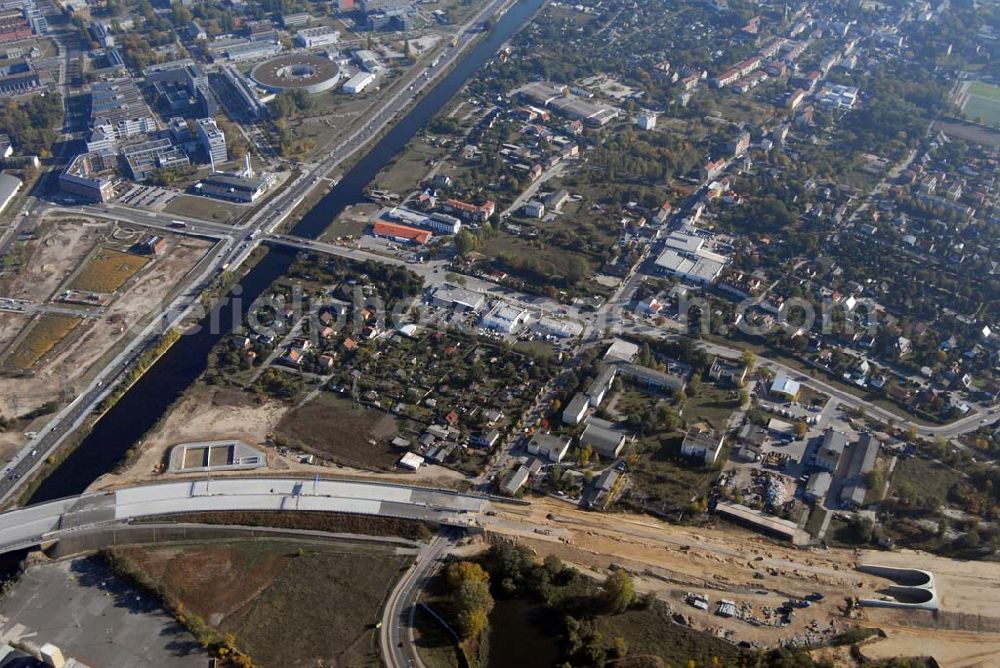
34, 525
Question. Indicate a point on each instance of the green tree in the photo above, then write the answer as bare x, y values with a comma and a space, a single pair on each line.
465, 242
618, 592
465, 571
577, 269
474, 602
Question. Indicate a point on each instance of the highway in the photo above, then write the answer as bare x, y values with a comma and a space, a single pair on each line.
43, 522
237, 243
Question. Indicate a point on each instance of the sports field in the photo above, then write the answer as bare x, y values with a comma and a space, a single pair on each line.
982, 104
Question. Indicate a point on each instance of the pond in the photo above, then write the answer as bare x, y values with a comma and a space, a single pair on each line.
523, 634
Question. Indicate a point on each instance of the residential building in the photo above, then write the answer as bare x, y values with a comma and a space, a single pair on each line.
740, 145
702, 442
728, 371
549, 446
534, 209
468, 211
795, 99
674, 380
646, 121
728, 77
487, 439
196, 32
712, 169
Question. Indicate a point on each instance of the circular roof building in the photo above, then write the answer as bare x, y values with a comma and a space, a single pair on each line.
312, 74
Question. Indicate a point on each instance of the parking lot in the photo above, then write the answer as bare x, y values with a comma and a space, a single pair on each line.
150, 198
80, 607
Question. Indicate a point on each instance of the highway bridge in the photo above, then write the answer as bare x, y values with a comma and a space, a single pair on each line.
45, 523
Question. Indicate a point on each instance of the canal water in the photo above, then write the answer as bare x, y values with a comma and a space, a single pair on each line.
140, 408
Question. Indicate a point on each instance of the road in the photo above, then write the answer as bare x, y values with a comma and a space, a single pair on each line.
396, 634
33, 524
229, 254
951, 430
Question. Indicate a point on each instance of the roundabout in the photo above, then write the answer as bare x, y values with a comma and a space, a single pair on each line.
312, 74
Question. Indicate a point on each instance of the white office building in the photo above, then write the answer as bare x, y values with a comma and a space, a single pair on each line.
319, 36
359, 82
505, 318
212, 140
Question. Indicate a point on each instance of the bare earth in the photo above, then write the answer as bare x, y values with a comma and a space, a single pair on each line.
204, 414
54, 257
208, 414
721, 562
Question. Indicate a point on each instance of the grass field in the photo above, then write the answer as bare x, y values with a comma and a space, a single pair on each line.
288, 603
107, 270
203, 208
665, 479
437, 649
44, 334
652, 633
983, 89
928, 479
983, 104
332, 427
713, 405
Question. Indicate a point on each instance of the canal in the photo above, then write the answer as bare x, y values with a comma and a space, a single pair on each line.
143, 405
